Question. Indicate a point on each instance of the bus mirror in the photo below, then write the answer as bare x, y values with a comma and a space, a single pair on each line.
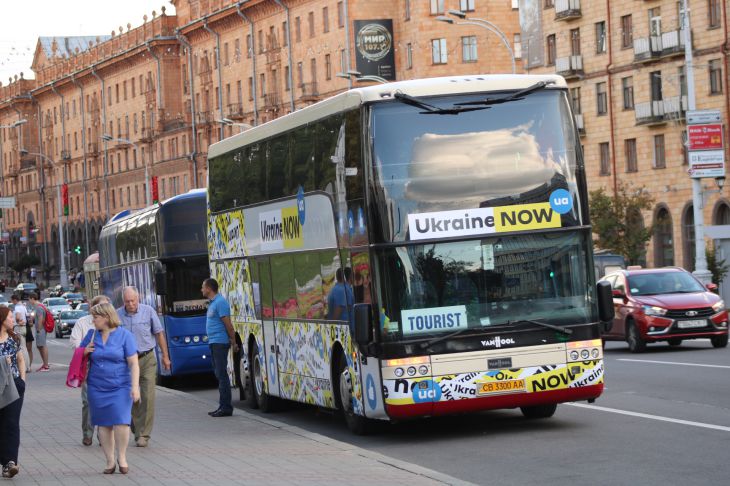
363, 324
605, 304
160, 282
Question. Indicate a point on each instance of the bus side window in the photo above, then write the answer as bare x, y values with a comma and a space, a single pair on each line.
264, 273
329, 262
282, 278
308, 281
255, 288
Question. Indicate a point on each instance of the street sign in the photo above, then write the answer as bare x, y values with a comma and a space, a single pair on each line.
7, 202
705, 137
697, 117
707, 163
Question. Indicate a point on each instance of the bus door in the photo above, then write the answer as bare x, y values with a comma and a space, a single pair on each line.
261, 282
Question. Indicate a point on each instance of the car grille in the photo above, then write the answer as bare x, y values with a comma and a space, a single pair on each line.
682, 313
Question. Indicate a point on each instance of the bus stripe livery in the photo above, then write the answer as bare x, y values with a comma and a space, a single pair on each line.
395, 264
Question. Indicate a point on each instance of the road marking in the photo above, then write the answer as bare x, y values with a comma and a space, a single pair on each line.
58, 365
672, 363
652, 417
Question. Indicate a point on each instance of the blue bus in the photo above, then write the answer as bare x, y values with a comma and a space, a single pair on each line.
162, 251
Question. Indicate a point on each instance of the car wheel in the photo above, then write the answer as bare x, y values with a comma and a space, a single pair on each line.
58, 334
719, 341
675, 342
633, 337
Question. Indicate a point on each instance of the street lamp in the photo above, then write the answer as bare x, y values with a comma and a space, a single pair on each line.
227, 121
486, 24
147, 194
62, 271
359, 77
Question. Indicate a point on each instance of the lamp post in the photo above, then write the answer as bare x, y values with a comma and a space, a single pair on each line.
227, 121
63, 274
360, 77
486, 24
147, 194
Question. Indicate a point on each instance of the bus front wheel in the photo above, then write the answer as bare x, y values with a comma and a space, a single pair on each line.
357, 424
539, 411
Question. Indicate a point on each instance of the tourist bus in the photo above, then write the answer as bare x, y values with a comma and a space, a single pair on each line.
161, 250
457, 210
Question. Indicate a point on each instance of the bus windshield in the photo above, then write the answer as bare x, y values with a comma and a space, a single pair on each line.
517, 152
184, 279
434, 288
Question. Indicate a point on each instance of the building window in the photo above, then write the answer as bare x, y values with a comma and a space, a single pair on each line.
343, 61
437, 7
715, 77
298, 29
655, 83
313, 69
604, 153
517, 49
300, 73
250, 88
600, 37
226, 59
262, 82
713, 12
341, 14
438, 51
659, 155
237, 50
466, 5
663, 239
601, 99
469, 48
627, 87
688, 238
284, 34
407, 10
310, 19
249, 46
409, 56
630, 152
575, 42
549, 3
287, 81
575, 101
627, 32
325, 19
551, 50
327, 67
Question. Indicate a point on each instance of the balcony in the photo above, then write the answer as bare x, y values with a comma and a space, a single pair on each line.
657, 46
272, 100
570, 67
675, 108
65, 154
148, 134
673, 43
579, 124
204, 117
309, 92
27, 163
92, 149
173, 122
650, 113
235, 111
567, 9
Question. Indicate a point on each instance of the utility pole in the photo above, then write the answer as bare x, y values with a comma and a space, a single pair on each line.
701, 271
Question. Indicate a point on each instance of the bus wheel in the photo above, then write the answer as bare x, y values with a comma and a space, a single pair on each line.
539, 411
357, 424
263, 400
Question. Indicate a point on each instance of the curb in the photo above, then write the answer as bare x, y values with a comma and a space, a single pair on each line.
344, 446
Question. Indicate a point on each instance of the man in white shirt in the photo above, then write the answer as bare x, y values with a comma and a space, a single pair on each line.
20, 313
78, 333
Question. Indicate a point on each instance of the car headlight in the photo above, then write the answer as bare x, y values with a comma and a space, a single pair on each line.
652, 310
719, 307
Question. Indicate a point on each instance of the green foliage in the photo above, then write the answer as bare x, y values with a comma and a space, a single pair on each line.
718, 267
617, 222
26, 261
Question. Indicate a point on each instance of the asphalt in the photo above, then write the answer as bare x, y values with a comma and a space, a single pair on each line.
663, 419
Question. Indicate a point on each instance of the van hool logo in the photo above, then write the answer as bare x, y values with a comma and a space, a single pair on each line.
497, 342
374, 42
281, 229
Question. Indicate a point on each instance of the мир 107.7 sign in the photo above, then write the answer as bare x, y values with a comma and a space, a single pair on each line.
374, 53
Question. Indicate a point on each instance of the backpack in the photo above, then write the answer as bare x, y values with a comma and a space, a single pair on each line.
49, 323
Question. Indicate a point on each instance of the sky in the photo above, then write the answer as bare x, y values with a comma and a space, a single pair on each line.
23, 21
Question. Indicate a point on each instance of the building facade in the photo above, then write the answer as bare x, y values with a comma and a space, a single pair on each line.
624, 62
105, 114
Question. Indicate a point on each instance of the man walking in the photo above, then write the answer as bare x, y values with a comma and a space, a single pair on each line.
142, 321
82, 327
40, 330
221, 338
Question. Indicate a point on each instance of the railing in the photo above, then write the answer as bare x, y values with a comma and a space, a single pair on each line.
672, 42
675, 106
29, 163
651, 112
148, 134
567, 9
204, 117
647, 48
579, 123
92, 148
65, 154
309, 90
235, 110
272, 100
570, 66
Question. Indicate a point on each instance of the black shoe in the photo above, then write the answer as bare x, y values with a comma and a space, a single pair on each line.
214, 411
221, 413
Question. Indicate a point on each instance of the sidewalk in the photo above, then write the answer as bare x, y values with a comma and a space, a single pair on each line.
188, 447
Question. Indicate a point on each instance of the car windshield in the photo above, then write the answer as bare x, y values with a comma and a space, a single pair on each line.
57, 302
663, 283
434, 288
73, 314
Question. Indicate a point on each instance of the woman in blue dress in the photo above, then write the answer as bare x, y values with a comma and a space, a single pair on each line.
113, 383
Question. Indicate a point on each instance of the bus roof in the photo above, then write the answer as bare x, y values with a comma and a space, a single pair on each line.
126, 214
449, 85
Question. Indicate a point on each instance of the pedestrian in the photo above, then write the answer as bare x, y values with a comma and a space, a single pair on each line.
142, 321
40, 331
20, 311
10, 413
32, 274
113, 383
221, 339
81, 329
2, 286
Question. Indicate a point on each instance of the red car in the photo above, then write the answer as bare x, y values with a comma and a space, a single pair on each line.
665, 304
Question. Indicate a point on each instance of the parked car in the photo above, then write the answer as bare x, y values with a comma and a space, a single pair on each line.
73, 298
84, 306
59, 290
665, 304
25, 289
56, 305
4, 300
67, 320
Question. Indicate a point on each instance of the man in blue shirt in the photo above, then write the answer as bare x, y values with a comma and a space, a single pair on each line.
221, 338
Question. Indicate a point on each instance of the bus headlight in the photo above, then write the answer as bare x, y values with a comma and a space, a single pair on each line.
187, 339
595, 353
398, 372
205, 339
423, 369
574, 356
196, 339
411, 370
585, 354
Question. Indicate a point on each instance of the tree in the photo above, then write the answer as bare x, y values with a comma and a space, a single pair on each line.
23, 263
617, 222
718, 267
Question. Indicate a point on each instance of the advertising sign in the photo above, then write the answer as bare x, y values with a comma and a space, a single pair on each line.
7, 202
705, 137
707, 163
375, 53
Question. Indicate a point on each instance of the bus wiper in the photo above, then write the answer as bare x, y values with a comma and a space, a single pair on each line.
433, 341
519, 95
543, 324
431, 109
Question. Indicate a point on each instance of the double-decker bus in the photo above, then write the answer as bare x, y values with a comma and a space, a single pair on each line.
456, 209
161, 250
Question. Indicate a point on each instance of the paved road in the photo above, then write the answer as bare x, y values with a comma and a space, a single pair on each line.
664, 419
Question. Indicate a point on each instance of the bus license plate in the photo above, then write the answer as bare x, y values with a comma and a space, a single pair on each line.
692, 323
506, 386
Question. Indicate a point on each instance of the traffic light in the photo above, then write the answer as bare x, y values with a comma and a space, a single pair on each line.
77, 249
64, 197
155, 191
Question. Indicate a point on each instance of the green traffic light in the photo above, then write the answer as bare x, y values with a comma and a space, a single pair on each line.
77, 250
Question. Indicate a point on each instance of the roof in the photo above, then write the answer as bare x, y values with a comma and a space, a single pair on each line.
66, 46
448, 85
642, 271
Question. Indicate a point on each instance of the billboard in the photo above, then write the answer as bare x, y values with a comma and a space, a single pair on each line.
374, 48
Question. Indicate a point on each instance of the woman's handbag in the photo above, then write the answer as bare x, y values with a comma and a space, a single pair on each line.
78, 367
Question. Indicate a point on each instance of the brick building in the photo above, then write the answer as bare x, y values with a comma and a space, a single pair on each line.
624, 62
102, 110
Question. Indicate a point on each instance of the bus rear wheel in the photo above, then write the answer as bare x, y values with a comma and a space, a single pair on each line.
357, 424
263, 400
539, 411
